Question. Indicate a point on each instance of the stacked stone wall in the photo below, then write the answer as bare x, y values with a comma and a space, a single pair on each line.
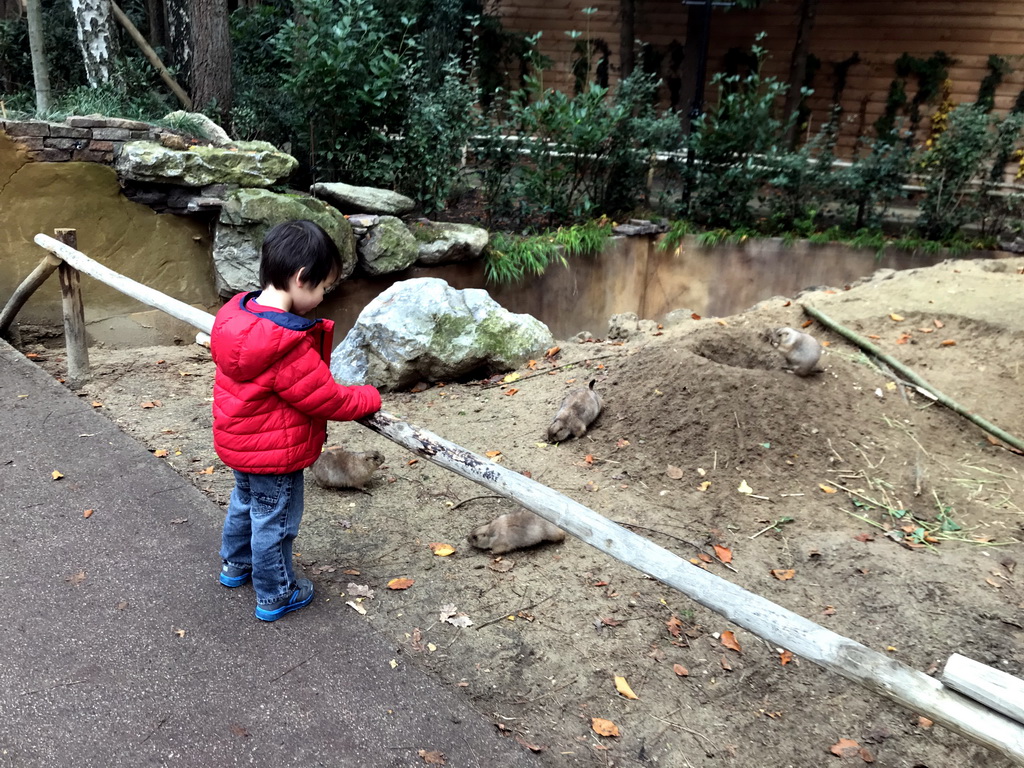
80, 139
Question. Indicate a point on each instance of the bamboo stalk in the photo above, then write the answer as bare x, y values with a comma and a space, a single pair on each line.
908, 374
906, 686
150, 54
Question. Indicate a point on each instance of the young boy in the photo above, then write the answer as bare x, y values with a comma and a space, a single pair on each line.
273, 395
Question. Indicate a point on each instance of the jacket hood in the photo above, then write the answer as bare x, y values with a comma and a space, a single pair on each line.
248, 340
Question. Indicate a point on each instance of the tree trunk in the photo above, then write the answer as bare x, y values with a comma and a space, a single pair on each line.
627, 33
691, 60
798, 66
10, 9
40, 70
157, 23
95, 37
177, 15
211, 58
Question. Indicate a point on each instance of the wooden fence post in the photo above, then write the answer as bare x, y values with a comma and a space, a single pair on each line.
74, 314
23, 292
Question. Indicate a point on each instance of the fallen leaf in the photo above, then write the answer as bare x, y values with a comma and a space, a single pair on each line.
845, 748
604, 727
829, 610
694, 316
33, 356
744, 488
76, 578
865, 537
207, 471
947, 343
410, 462
511, 377
903, 338
680, 670
896, 318
806, 323
826, 488
432, 758
926, 330
552, 352
621, 443
87, 514
56, 475
588, 459
623, 688
532, 365
675, 626
938, 323
874, 336
532, 747
358, 608
725, 664
924, 722
865, 755
441, 550
730, 642
402, 583
97, 404
724, 553
492, 454
610, 622
510, 392
161, 452
151, 404
722, 322
783, 575
704, 558
705, 485
785, 657
500, 565
674, 472
788, 303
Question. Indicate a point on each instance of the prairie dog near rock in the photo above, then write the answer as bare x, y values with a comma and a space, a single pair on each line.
801, 350
577, 412
339, 468
515, 530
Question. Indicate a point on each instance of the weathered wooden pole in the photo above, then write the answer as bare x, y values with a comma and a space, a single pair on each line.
75, 342
24, 292
179, 309
906, 686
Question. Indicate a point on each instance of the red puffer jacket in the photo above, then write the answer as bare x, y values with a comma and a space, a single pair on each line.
273, 393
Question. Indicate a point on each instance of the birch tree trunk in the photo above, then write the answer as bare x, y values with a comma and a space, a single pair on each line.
40, 69
95, 37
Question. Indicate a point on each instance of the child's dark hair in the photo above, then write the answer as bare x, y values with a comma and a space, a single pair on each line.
296, 245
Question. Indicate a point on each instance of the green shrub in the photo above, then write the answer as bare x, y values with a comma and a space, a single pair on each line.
510, 258
735, 145
962, 168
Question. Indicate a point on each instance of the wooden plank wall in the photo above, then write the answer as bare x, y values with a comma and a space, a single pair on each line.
879, 30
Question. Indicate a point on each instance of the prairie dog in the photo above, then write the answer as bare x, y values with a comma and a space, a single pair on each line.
338, 468
514, 530
801, 350
577, 412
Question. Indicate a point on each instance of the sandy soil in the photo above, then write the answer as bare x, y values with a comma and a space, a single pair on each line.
704, 401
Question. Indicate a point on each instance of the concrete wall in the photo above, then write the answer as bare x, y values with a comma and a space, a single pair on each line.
170, 253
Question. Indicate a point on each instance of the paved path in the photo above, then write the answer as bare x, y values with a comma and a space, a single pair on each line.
119, 648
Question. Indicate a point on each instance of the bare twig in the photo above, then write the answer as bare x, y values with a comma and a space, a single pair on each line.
693, 544
518, 610
551, 370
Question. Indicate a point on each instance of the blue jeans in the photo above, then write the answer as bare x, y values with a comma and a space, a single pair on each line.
261, 523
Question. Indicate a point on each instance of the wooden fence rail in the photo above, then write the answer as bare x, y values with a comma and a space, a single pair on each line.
887, 677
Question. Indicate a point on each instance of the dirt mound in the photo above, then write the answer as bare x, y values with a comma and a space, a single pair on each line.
847, 497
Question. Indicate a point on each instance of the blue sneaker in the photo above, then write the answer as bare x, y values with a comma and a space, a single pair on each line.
234, 575
299, 598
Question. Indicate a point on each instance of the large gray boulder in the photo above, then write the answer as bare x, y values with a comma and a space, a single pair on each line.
245, 163
447, 242
244, 219
425, 330
387, 246
351, 199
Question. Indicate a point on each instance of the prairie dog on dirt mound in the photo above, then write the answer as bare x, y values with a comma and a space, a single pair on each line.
801, 350
514, 530
338, 468
577, 412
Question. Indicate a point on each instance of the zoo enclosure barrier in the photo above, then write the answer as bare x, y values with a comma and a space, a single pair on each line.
983, 704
